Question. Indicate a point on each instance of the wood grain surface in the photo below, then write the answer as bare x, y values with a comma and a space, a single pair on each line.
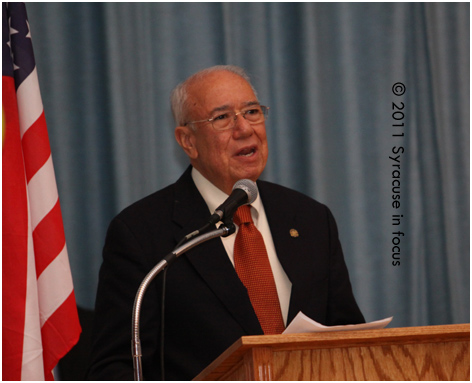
409, 353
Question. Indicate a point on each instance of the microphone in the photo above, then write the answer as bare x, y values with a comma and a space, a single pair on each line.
244, 193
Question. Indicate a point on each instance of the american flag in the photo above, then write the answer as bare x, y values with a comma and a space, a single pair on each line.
40, 322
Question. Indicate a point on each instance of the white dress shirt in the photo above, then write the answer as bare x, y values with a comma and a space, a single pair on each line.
214, 197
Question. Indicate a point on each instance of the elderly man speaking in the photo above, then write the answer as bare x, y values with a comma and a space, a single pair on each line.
285, 256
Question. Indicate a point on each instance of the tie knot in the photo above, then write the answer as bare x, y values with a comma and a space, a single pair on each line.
243, 215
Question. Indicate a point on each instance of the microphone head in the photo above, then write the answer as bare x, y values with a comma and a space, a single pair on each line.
249, 187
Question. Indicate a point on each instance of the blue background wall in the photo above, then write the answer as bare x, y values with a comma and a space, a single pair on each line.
327, 71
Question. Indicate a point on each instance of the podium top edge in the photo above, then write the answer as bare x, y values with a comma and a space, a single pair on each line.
396, 334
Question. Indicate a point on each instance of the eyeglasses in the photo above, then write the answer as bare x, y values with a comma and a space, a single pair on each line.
255, 114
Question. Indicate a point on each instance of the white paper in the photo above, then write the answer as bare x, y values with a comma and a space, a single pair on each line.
302, 324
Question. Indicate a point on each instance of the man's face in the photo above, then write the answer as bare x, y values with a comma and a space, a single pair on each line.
223, 157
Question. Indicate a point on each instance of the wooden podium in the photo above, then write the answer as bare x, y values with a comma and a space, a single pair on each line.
409, 353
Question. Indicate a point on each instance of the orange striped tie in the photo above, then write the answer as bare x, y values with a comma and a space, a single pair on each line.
253, 268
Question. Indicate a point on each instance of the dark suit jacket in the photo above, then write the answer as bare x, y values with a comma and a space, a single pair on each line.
206, 306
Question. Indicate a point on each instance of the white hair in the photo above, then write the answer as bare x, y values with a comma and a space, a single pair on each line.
179, 95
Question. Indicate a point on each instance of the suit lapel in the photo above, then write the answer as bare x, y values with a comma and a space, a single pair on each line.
210, 259
289, 245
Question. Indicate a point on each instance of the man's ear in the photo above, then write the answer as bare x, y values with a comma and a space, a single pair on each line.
185, 137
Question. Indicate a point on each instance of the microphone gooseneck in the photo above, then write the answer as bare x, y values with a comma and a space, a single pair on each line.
138, 300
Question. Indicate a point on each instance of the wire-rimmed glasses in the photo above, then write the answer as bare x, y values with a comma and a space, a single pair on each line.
254, 114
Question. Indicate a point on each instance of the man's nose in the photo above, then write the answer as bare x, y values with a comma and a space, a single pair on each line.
242, 127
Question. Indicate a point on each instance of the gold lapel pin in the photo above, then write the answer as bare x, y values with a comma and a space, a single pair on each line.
294, 233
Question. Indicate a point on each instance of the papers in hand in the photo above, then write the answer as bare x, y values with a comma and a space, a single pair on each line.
301, 323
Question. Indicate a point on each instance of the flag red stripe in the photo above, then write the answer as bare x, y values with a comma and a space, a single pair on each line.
48, 238
14, 238
36, 147
60, 331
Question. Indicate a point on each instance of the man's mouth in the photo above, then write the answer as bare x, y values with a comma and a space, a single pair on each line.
247, 152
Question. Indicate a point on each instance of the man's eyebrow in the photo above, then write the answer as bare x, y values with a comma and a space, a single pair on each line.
227, 107
251, 103
220, 108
